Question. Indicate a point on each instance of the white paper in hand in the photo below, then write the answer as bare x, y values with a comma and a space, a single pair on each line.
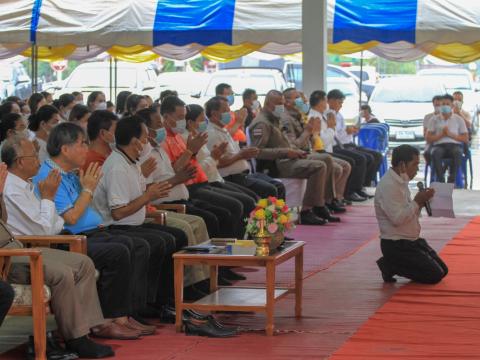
442, 201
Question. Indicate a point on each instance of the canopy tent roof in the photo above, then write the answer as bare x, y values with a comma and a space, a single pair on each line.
226, 29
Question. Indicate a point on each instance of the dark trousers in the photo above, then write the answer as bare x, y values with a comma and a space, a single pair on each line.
247, 201
6, 299
374, 160
414, 260
228, 210
243, 189
163, 242
262, 184
446, 151
358, 162
112, 260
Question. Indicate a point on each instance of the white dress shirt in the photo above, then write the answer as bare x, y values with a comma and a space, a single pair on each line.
456, 125
165, 171
397, 214
217, 135
121, 183
27, 214
326, 134
341, 129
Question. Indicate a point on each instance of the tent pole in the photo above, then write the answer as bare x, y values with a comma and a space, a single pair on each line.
314, 45
361, 81
34, 56
110, 78
116, 75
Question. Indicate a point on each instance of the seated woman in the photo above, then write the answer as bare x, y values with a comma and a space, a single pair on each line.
41, 123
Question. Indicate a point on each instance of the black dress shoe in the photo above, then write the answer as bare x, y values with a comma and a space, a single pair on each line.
167, 315
86, 348
387, 275
229, 274
54, 350
286, 238
356, 198
205, 328
364, 194
322, 212
334, 207
203, 317
309, 218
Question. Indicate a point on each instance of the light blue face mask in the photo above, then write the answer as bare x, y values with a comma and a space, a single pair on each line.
301, 106
279, 110
445, 109
230, 99
160, 135
226, 118
202, 127
181, 126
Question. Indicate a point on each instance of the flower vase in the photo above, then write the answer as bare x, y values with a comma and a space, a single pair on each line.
277, 240
262, 240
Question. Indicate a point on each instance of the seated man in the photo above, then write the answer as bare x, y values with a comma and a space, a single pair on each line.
458, 109
447, 133
70, 276
437, 103
278, 158
404, 252
111, 253
237, 119
366, 116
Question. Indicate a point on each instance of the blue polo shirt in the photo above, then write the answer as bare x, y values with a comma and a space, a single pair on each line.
67, 193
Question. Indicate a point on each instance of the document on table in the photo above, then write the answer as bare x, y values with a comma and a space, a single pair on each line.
442, 201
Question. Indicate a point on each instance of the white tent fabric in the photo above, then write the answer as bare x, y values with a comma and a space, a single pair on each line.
395, 29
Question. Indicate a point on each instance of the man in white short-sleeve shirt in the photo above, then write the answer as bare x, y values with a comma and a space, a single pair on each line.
447, 133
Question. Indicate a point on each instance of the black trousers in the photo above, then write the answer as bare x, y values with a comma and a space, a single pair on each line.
374, 160
414, 260
163, 241
446, 151
228, 189
228, 210
358, 162
6, 299
262, 184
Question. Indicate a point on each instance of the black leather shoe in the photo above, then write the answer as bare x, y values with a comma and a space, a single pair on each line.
364, 194
205, 328
86, 348
167, 315
336, 208
54, 350
322, 212
229, 274
356, 198
387, 275
202, 317
309, 218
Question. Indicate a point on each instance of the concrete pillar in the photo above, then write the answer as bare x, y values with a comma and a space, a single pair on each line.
314, 45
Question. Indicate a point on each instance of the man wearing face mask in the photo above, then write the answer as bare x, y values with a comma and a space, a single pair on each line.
101, 133
405, 253
237, 119
437, 103
457, 109
279, 159
251, 104
447, 133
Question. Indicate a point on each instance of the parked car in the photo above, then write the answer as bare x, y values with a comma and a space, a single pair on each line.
185, 83
95, 76
402, 102
458, 80
260, 79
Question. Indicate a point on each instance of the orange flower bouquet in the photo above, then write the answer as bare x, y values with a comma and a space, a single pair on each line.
272, 214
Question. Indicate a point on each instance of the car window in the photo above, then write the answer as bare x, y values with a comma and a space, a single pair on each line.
260, 83
100, 77
365, 76
452, 81
406, 91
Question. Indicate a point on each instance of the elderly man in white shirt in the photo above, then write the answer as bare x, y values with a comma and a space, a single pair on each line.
447, 133
70, 276
404, 252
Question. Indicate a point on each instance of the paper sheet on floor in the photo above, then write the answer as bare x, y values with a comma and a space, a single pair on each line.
442, 201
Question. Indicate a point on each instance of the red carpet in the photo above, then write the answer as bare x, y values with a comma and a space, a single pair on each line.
438, 321
337, 300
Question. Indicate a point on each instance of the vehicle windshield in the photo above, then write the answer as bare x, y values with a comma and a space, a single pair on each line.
365, 76
348, 89
453, 81
100, 77
399, 91
261, 83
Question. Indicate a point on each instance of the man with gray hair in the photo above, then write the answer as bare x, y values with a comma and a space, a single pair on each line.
70, 276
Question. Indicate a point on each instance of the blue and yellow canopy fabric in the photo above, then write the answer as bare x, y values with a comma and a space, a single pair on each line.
226, 29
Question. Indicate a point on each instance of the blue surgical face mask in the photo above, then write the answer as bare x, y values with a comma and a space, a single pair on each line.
230, 99
160, 135
202, 127
301, 106
445, 109
226, 118
180, 127
279, 110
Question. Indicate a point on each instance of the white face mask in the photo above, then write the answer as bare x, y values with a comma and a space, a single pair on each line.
146, 150
458, 104
101, 106
279, 110
180, 127
67, 114
256, 105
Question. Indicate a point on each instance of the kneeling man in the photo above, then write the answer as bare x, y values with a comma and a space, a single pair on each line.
404, 252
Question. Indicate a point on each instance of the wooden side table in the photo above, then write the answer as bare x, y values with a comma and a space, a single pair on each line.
246, 299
